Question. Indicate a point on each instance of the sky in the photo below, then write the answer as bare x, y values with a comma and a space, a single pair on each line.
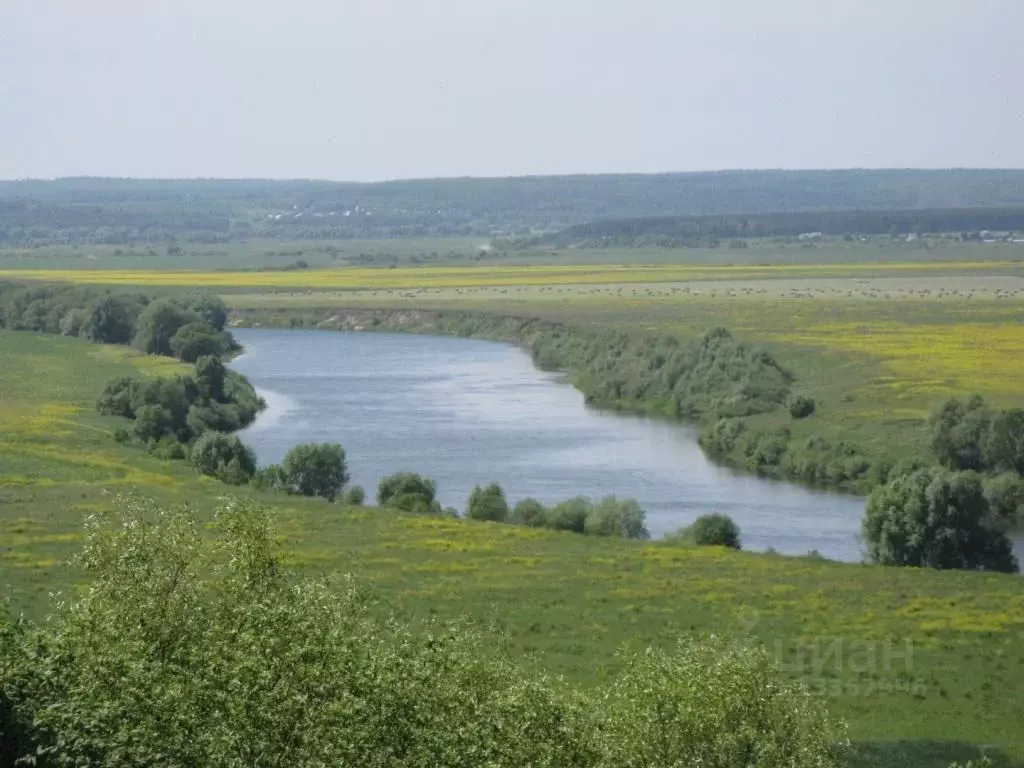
383, 89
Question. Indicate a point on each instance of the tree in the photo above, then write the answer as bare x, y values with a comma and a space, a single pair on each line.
315, 470
73, 321
1003, 445
157, 325
713, 530
529, 512
487, 504
196, 340
225, 457
409, 492
116, 399
109, 322
152, 422
210, 377
210, 310
619, 518
1005, 496
957, 432
936, 519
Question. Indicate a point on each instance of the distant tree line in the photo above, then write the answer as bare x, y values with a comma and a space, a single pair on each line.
26, 222
694, 231
125, 211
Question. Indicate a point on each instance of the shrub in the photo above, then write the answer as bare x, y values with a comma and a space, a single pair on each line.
529, 512
116, 399
713, 704
225, 457
269, 478
621, 518
315, 470
487, 504
570, 515
936, 519
407, 491
714, 530
168, 623
152, 422
168, 449
801, 406
176, 617
354, 496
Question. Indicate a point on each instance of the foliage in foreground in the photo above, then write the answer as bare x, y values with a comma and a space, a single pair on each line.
187, 652
937, 519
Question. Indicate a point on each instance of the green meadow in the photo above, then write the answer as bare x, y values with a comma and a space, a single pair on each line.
923, 665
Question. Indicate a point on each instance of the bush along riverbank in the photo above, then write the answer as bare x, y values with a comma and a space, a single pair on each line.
717, 382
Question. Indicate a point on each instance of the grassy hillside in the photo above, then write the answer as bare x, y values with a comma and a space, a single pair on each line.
932, 660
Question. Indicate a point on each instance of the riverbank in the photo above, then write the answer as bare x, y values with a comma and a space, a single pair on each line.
720, 384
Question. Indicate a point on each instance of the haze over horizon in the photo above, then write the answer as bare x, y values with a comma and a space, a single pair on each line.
397, 89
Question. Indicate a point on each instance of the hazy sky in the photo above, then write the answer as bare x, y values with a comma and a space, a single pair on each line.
383, 89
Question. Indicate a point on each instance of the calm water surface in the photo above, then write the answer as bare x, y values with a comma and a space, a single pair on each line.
465, 412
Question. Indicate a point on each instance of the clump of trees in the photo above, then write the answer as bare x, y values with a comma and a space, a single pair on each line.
166, 659
182, 408
972, 435
712, 530
487, 504
609, 517
224, 457
308, 469
660, 375
186, 327
409, 492
937, 519
814, 460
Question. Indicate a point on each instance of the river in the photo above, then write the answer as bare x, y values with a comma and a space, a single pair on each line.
464, 411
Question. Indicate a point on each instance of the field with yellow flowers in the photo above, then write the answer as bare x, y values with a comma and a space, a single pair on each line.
924, 665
